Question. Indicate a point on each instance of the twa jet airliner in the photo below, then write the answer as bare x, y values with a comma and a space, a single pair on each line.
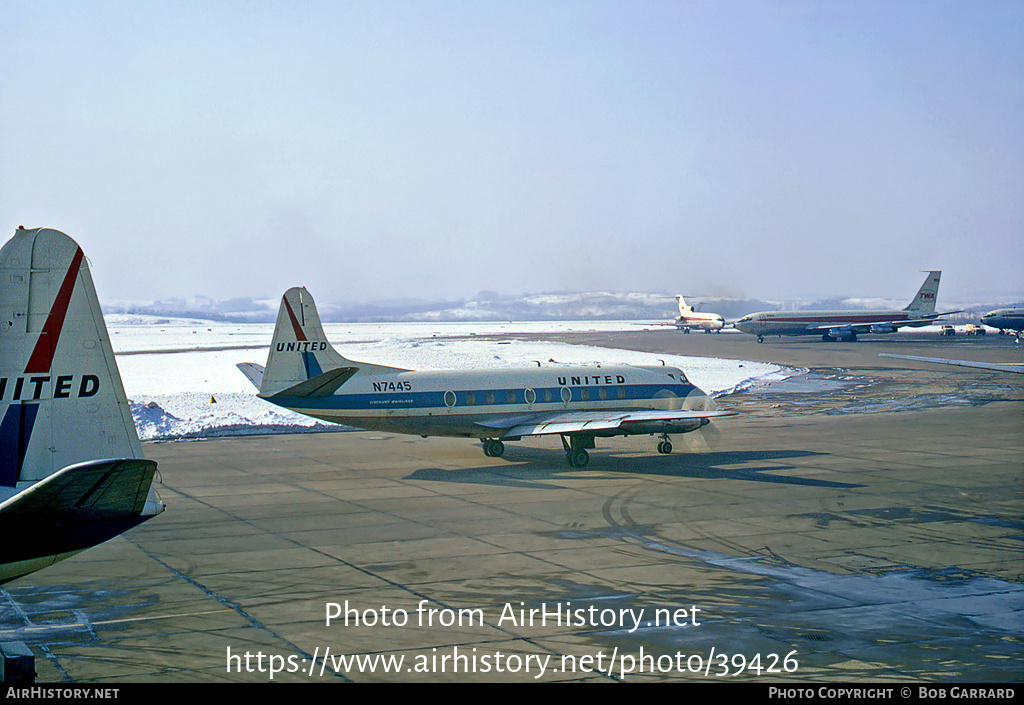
72, 473
846, 325
688, 318
305, 374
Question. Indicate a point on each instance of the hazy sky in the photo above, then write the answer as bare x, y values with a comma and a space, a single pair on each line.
431, 149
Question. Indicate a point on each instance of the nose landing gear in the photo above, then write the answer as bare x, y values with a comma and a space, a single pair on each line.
665, 446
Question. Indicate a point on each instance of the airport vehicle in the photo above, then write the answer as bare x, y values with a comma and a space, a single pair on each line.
1005, 320
306, 374
690, 319
1014, 367
974, 329
72, 472
847, 325
947, 330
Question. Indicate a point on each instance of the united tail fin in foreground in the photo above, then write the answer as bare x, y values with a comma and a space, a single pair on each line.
72, 472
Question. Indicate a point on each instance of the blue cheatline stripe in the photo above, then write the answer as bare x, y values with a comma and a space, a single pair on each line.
435, 399
312, 366
15, 432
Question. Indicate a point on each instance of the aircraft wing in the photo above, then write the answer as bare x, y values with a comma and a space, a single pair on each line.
887, 323
866, 327
1015, 367
595, 421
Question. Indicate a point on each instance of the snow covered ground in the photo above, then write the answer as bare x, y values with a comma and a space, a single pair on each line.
181, 378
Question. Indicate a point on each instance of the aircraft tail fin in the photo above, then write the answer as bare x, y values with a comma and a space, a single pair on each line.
683, 308
927, 294
61, 397
299, 350
72, 472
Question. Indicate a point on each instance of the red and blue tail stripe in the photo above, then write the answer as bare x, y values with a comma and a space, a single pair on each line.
20, 417
308, 359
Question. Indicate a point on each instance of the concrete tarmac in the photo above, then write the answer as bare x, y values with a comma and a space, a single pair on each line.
861, 521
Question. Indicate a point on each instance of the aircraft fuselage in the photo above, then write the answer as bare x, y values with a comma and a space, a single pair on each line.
1005, 319
819, 322
708, 322
473, 403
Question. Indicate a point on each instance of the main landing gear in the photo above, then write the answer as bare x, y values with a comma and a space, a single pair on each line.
575, 450
575, 447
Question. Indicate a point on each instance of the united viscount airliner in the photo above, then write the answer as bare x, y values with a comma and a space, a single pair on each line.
306, 374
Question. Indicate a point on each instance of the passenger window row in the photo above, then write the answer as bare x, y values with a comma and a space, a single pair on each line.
529, 396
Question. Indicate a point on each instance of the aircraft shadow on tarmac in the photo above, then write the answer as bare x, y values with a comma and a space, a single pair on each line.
530, 468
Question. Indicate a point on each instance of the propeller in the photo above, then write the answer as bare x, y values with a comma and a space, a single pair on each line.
705, 439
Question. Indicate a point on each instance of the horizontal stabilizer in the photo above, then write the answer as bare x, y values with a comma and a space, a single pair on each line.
80, 506
97, 490
323, 385
252, 372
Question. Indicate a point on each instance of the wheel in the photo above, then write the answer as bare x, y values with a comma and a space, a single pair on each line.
487, 447
577, 458
497, 449
664, 447
760, 338
826, 338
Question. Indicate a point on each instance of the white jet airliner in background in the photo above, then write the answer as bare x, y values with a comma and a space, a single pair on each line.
72, 473
846, 325
306, 374
690, 319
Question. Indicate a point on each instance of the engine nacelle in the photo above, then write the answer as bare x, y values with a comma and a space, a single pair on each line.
883, 329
